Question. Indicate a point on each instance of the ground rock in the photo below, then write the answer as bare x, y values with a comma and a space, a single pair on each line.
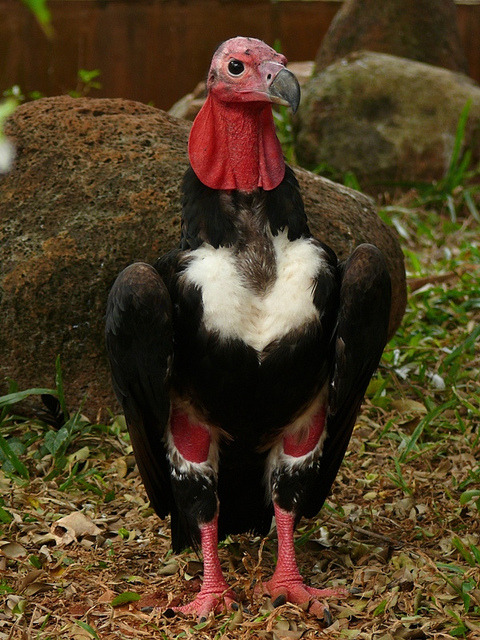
95, 187
384, 118
423, 30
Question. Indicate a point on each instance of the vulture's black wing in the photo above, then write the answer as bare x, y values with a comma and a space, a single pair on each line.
359, 339
139, 339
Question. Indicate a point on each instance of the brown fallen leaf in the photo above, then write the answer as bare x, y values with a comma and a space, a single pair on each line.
39, 586
418, 283
12, 550
106, 597
169, 569
69, 528
31, 576
405, 405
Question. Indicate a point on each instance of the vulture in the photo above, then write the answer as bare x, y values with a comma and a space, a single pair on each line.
241, 358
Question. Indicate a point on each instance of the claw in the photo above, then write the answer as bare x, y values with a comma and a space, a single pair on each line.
286, 584
215, 594
327, 617
279, 600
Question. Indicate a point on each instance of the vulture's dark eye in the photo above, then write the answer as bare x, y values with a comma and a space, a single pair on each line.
235, 67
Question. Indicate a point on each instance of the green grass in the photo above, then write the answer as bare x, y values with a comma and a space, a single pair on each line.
459, 186
61, 443
434, 357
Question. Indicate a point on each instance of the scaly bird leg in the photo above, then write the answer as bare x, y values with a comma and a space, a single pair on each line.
215, 594
287, 584
191, 443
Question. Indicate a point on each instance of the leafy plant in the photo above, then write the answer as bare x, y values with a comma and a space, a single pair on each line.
7, 152
54, 435
283, 124
42, 13
456, 189
86, 81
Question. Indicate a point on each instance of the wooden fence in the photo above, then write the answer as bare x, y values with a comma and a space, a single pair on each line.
157, 50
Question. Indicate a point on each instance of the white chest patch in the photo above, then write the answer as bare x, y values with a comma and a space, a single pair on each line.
236, 311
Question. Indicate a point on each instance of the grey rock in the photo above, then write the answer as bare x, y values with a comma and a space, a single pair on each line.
423, 30
385, 118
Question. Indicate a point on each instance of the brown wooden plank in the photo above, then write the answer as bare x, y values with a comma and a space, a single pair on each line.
156, 51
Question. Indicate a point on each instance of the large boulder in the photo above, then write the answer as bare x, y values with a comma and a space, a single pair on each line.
422, 30
95, 187
385, 118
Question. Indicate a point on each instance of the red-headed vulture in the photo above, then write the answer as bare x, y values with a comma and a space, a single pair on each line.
241, 358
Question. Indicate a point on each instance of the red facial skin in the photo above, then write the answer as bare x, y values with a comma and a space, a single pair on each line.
233, 144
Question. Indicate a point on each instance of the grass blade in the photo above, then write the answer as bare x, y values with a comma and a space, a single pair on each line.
466, 345
424, 422
124, 598
472, 207
459, 139
19, 396
59, 384
12, 457
86, 627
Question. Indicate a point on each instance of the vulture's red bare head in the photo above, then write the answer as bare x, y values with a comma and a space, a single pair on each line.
233, 144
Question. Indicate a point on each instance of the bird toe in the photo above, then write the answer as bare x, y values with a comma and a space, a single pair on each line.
308, 598
205, 603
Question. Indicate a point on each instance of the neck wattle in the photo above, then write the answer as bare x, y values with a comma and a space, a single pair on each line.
233, 145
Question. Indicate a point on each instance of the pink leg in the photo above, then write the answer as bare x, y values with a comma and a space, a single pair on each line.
287, 583
215, 593
192, 441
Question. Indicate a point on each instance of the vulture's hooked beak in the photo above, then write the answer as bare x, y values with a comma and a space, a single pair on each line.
285, 89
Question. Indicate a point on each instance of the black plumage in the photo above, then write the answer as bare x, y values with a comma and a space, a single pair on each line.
158, 346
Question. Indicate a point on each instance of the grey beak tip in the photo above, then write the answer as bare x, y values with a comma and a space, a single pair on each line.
286, 87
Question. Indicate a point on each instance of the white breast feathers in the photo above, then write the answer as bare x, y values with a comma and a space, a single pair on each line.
232, 308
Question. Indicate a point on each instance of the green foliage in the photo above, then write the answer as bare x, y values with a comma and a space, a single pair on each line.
9, 452
42, 13
458, 189
15, 92
86, 81
349, 179
124, 598
283, 124
55, 436
86, 627
428, 383
7, 401
7, 107
7, 153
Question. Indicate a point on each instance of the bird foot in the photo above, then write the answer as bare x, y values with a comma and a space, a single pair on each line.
207, 601
296, 592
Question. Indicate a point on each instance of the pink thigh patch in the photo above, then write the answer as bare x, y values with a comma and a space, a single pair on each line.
299, 444
192, 440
